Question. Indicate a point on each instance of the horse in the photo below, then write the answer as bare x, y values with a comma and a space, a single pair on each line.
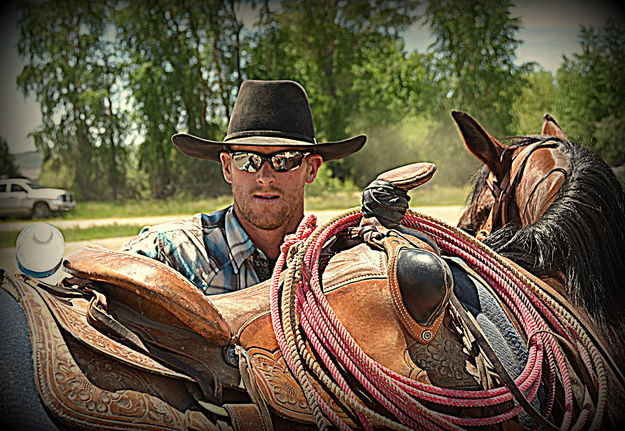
382, 318
555, 208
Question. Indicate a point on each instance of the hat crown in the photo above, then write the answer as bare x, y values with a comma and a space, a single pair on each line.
269, 114
271, 108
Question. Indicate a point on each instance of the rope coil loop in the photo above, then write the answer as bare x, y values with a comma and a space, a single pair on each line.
317, 348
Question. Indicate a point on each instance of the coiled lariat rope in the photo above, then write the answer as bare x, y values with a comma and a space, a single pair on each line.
320, 352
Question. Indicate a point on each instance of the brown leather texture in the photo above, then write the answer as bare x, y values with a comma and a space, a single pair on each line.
410, 176
247, 417
424, 334
88, 390
154, 283
356, 284
139, 296
71, 316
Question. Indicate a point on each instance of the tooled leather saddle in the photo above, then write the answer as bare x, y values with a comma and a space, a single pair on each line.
127, 343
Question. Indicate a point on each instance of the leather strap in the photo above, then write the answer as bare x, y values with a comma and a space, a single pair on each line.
247, 417
251, 386
98, 317
499, 367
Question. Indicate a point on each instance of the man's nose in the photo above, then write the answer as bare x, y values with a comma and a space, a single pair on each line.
266, 175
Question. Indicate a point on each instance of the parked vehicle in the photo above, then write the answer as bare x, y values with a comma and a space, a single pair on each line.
19, 196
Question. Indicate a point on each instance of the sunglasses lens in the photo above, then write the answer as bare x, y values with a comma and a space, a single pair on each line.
281, 162
286, 161
248, 162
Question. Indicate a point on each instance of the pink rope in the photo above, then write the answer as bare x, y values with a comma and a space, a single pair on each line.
399, 395
484, 264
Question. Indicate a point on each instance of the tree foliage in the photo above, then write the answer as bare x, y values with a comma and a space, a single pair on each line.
343, 53
8, 168
475, 43
537, 97
474, 53
591, 88
183, 72
115, 79
74, 74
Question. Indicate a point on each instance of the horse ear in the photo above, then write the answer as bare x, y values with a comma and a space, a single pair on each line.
552, 128
481, 144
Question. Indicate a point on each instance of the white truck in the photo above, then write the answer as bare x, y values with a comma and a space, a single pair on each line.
23, 197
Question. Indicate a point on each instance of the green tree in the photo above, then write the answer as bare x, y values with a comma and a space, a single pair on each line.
474, 52
591, 85
340, 51
395, 114
73, 73
537, 97
8, 168
185, 67
475, 43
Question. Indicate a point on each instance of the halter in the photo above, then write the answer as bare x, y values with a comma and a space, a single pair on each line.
308, 332
504, 194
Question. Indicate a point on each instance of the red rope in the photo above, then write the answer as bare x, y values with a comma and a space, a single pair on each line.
399, 395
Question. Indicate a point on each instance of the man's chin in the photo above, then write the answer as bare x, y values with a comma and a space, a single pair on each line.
266, 223
266, 220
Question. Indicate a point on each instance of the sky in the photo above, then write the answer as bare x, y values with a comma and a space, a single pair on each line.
550, 30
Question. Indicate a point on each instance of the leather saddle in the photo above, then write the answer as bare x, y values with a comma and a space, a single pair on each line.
127, 342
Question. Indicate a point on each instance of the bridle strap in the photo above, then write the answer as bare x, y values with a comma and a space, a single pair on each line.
498, 194
504, 194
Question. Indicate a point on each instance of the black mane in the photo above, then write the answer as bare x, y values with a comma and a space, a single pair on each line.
580, 238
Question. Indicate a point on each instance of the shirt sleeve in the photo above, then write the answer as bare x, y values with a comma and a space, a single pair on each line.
146, 243
180, 246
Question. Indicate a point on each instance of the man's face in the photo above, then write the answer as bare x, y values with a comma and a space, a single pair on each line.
267, 199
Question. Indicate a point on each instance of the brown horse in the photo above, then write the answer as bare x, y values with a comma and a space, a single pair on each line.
556, 209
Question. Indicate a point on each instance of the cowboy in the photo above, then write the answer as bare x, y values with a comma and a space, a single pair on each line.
268, 155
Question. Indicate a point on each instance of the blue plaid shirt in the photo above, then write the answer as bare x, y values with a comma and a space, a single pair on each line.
211, 250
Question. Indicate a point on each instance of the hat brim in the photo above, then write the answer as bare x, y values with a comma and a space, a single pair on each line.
209, 150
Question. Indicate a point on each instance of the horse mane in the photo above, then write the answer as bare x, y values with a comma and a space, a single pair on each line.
580, 239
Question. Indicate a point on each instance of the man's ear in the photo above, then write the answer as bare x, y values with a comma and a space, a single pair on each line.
226, 166
314, 163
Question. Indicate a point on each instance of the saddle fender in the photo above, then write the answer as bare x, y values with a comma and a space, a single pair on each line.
110, 388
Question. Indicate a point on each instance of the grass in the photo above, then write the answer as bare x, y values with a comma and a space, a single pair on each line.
144, 208
7, 239
427, 195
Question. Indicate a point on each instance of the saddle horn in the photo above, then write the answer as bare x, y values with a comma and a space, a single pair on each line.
386, 198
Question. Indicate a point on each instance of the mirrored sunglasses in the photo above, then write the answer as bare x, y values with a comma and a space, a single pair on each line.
283, 161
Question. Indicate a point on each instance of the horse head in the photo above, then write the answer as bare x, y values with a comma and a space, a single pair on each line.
556, 209
518, 182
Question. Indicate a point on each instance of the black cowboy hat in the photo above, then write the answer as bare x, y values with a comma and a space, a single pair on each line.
269, 113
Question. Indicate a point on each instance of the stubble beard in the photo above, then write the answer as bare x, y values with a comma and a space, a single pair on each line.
263, 219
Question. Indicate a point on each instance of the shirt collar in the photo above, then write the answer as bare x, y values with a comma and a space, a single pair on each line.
240, 245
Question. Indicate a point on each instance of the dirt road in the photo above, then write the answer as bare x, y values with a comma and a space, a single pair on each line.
449, 214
